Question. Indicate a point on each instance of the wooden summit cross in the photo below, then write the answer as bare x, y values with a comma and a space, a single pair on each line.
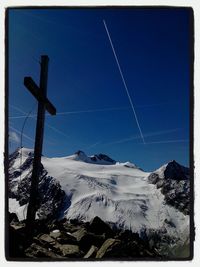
40, 93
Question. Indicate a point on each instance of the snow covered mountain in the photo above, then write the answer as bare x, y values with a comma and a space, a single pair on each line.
82, 187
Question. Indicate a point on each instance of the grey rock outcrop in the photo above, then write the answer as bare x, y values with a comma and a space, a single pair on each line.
173, 180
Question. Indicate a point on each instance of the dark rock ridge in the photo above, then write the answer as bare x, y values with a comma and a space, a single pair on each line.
176, 172
175, 185
77, 240
98, 158
102, 157
51, 196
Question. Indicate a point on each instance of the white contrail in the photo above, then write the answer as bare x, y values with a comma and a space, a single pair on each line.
91, 110
135, 137
73, 112
24, 135
34, 117
22, 116
93, 145
168, 141
28, 137
124, 82
56, 130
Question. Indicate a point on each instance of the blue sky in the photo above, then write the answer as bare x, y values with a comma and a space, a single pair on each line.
93, 109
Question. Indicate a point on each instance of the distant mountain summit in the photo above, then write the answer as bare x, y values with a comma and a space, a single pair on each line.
176, 171
103, 158
173, 170
96, 159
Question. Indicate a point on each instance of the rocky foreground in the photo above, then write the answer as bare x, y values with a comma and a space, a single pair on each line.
72, 240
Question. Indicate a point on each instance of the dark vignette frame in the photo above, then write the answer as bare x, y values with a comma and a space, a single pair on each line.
191, 132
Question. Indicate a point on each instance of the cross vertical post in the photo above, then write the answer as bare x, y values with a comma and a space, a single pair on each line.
43, 103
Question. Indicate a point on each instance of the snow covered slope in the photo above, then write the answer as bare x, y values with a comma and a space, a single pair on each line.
83, 187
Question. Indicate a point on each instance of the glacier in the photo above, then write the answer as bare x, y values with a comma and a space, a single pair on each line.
82, 187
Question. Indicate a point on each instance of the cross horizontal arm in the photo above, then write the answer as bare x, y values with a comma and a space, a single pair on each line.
34, 89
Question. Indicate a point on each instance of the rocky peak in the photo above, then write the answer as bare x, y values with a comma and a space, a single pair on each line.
95, 159
102, 157
80, 153
175, 171
173, 180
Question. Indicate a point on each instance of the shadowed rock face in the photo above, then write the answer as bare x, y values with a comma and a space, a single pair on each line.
176, 172
175, 185
154, 178
103, 157
98, 158
51, 196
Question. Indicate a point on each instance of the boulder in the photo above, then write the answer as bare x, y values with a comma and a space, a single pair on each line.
36, 251
91, 252
108, 246
71, 228
67, 238
46, 239
90, 239
71, 251
55, 233
79, 234
86, 239
17, 225
97, 226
